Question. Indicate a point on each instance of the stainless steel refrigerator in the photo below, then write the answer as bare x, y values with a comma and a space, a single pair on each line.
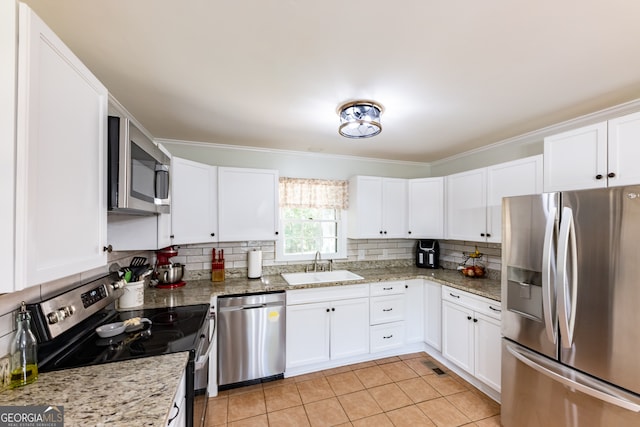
571, 328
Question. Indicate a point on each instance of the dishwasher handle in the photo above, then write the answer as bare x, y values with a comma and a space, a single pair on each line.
251, 307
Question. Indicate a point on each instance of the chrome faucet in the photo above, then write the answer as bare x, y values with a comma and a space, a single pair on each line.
317, 258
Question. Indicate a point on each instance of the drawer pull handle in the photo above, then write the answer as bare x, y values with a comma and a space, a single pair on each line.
495, 309
387, 337
387, 289
455, 296
387, 309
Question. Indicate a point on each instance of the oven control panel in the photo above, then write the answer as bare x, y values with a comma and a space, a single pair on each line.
93, 296
62, 312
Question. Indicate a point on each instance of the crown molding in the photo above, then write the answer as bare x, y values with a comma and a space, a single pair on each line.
539, 134
285, 152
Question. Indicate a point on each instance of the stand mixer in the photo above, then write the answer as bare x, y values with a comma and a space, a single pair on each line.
168, 274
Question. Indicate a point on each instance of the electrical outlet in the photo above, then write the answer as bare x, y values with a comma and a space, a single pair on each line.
5, 372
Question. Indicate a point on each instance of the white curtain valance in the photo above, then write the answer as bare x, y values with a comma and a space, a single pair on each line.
313, 193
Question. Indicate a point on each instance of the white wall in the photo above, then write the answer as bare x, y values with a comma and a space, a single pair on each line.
294, 164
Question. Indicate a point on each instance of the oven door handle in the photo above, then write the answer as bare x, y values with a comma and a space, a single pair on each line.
203, 358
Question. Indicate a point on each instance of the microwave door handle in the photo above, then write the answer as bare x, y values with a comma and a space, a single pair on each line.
548, 282
161, 181
567, 272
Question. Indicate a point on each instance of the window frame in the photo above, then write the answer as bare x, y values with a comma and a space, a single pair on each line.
341, 240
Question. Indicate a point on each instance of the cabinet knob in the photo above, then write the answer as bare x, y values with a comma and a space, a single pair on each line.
468, 317
276, 233
333, 309
172, 236
380, 231
482, 234
599, 176
328, 310
213, 234
385, 231
475, 320
108, 249
488, 234
409, 232
611, 175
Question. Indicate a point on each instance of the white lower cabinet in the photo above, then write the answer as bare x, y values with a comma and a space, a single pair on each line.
178, 412
387, 336
387, 315
471, 334
433, 314
414, 311
326, 324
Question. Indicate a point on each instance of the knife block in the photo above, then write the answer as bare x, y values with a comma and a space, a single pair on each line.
217, 271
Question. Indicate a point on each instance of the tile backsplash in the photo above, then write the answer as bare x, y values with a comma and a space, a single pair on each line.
360, 253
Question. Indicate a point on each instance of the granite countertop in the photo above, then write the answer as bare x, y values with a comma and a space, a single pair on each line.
126, 393
135, 392
200, 291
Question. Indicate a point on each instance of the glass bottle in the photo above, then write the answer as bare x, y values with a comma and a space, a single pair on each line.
24, 351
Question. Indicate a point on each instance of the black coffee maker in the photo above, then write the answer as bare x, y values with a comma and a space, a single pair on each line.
428, 254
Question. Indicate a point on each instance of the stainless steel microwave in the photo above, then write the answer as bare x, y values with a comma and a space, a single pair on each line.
138, 171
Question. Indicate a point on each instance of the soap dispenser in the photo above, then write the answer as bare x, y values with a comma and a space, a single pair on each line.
24, 351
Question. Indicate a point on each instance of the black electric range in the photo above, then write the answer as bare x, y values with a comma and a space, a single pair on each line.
65, 328
171, 330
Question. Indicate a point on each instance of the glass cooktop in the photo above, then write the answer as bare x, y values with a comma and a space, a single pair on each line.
172, 330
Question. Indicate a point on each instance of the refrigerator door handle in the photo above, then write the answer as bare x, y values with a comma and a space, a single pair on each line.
567, 271
575, 380
548, 288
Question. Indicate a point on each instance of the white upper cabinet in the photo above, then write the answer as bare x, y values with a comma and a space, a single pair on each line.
8, 78
516, 178
377, 207
573, 160
474, 198
623, 150
425, 208
467, 205
596, 156
194, 202
61, 212
247, 204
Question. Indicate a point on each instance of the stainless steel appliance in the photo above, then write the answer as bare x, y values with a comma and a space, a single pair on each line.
428, 254
570, 284
251, 338
138, 171
65, 326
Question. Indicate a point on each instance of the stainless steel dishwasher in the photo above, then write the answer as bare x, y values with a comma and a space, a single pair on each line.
251, 337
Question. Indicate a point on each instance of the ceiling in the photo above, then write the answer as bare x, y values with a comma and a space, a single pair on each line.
452, 75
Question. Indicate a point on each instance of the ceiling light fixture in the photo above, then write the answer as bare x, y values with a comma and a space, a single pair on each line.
360, 119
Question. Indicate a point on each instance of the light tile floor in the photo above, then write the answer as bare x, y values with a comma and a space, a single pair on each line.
395, 391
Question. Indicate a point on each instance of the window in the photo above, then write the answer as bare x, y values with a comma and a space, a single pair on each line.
312, 219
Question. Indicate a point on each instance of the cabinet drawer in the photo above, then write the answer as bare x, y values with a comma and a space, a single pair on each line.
387, 288
387, 309
477, 303
387, 336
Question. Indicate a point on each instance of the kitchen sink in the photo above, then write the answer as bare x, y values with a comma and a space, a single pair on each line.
320, 277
